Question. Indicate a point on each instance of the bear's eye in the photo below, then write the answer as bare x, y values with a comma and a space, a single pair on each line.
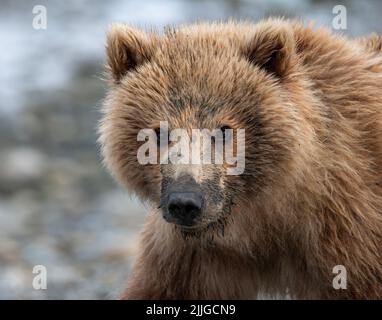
224, 134
223, 130
158, 135
162, 135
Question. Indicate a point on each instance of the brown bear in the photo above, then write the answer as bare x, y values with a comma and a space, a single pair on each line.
310, 197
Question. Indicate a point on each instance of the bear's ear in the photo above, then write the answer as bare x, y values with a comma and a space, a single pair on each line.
272, 47
126, 49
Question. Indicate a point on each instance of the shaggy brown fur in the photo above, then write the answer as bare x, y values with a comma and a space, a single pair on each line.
311, 194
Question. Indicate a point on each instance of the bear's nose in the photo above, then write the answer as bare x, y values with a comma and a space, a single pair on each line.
184, 207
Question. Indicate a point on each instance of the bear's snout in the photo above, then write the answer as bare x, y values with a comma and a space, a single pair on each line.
184, 207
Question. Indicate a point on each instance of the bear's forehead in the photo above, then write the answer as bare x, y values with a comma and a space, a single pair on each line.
193, 57
200, 42
198, 68
182, 48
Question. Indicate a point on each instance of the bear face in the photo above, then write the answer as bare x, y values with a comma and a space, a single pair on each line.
216, 76
309, 195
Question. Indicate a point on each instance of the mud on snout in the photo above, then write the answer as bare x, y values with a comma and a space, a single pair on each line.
193, 203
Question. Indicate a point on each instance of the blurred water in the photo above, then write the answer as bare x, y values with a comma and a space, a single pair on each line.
58, 206
45, 59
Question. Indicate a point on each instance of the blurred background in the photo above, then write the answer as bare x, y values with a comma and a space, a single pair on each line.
58, 206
